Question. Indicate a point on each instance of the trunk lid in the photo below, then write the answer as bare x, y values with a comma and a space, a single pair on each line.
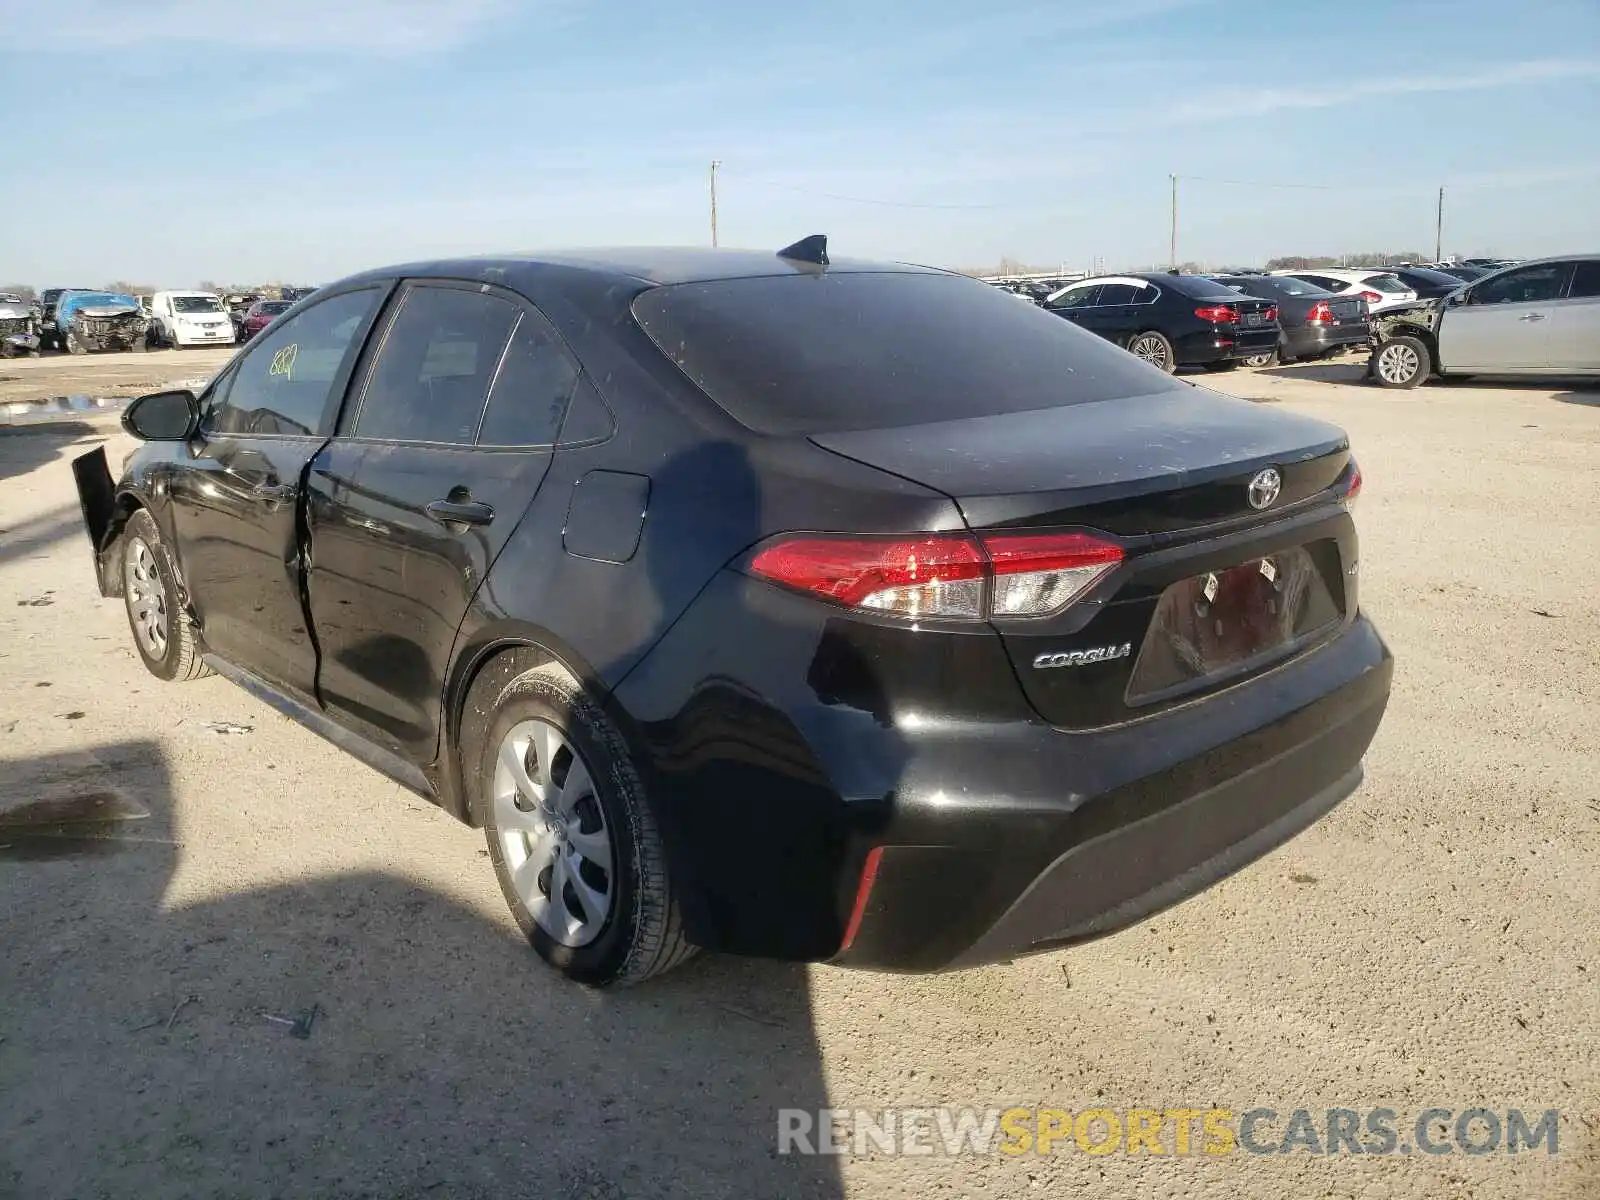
1162, 463
1210, 591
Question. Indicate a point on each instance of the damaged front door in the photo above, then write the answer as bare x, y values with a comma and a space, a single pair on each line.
236, 501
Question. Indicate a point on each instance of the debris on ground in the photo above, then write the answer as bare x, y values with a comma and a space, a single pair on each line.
227, 727
300, 1026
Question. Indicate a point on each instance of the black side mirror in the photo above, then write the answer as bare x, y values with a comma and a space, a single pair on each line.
163, 416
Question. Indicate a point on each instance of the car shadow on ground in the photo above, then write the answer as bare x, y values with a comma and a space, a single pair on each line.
1320, 372
355, 1035
26, 447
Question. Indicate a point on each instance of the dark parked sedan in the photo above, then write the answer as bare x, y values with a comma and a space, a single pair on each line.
1312, 322
1171, 320
821, 611
1427, 283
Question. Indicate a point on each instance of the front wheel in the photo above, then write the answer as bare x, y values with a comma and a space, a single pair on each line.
1401, 362
161, 632
73, 344
573, 841
1155, 349
1271, 359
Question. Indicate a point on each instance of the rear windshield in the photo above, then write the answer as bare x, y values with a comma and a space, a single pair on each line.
1385, 283
274, 307
799, 354
1198, 287
1278, 285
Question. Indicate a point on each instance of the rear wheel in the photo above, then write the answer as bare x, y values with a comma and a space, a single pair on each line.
1264, 360
574, 845
150, 592
1155, 349
1401, 362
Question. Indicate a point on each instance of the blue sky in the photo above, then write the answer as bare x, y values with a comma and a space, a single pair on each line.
175, 140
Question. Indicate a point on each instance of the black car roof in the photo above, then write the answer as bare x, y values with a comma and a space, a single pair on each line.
648, 265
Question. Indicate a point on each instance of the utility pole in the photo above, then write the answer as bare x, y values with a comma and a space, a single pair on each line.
715, 163
1173, 245
1438, 230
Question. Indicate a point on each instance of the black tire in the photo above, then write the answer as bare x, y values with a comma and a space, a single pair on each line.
1152, 346
642, 935
140, 344
1401, 362
177, 657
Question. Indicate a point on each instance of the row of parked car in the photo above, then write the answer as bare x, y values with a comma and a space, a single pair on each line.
81, 320
1539, 317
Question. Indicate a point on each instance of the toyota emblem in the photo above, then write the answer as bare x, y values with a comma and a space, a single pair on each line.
1264, 488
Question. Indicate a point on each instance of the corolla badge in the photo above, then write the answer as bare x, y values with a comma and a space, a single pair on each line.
1264, 488
1081, 658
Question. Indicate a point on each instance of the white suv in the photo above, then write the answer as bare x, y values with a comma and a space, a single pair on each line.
1380, 289
190, 319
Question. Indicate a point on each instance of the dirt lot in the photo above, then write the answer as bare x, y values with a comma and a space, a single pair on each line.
35, 381
1432, 943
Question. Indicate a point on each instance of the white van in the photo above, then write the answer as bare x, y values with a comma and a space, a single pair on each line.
190, 319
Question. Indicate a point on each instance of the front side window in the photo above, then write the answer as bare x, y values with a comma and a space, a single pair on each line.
1530, 285
1076, 297
282, 385
433, 372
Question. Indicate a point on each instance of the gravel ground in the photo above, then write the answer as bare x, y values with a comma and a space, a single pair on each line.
1431, 943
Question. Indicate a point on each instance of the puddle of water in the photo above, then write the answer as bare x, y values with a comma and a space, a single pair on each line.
68, 827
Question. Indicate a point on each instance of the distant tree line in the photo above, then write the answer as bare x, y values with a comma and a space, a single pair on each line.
1378, 258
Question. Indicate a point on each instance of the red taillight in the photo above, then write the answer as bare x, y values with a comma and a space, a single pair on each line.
1320, 314
869, 876
1372, 297
928, 575
1352, 489
1222, 314
1271, 314
950, 576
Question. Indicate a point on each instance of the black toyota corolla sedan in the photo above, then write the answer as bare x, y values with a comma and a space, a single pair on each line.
755, 602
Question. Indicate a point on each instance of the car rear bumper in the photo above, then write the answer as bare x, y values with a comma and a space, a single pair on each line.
1200, 348
1309, 341
1045, 839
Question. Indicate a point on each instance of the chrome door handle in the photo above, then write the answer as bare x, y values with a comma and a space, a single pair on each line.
1531, 317
459, 512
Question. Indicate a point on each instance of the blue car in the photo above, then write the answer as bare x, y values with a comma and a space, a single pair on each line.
88, 321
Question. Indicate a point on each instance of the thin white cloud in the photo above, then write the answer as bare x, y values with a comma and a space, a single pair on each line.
366, 27
1245, 102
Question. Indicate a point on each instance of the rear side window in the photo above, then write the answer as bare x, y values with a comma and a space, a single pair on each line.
1586, 280
282, 383
530, 395
1120, 293
435, 366
1325, 282
798, 354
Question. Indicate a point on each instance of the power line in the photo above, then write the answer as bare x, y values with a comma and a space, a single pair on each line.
789, 187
